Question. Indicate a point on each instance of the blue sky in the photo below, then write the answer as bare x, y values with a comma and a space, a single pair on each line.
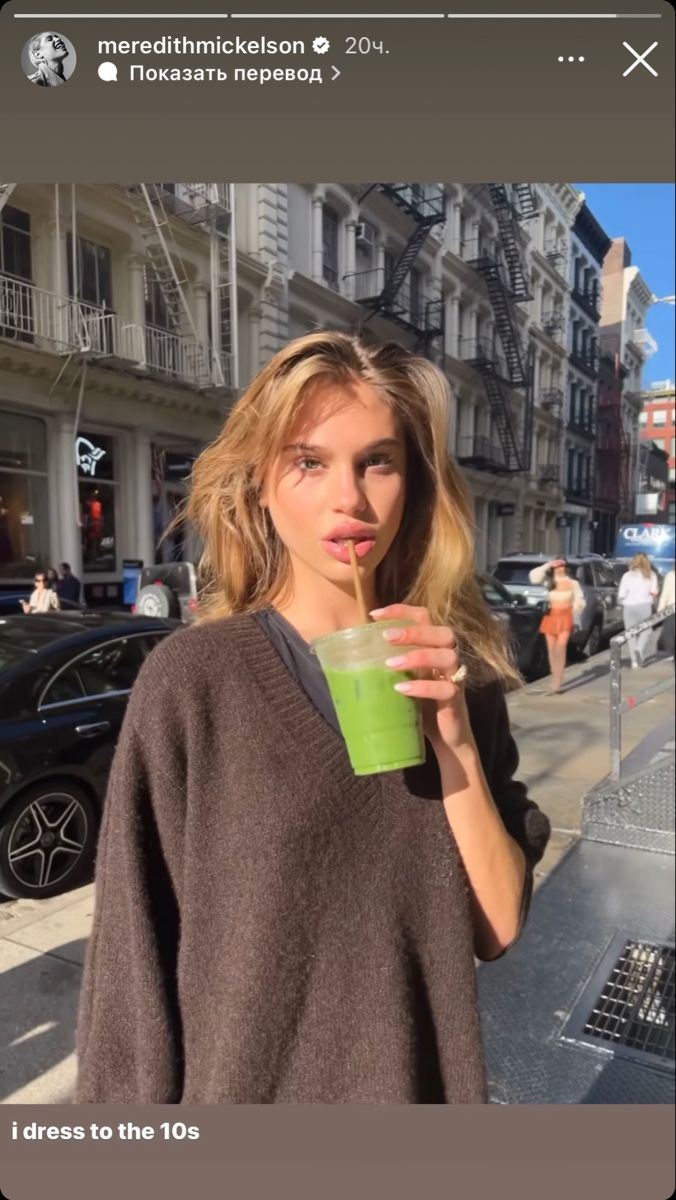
643, 213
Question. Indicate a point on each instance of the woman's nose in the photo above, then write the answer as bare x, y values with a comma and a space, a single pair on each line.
348, 492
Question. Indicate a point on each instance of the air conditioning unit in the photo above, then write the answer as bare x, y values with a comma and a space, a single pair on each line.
365, 235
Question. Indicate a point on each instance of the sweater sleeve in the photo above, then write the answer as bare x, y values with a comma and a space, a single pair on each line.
623, 588
537, 575
523, 820
129, 1032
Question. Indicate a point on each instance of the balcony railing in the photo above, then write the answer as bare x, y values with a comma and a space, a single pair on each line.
586, 428
60, 325
552, 399
553, 322
424, 201
587, 360
481, 352
412, 306
477, 450
193, 202
555, 251
580, 493
548, 472
588, 299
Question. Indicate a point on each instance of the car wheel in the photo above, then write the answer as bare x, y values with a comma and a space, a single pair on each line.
594, 640
156, 600
47, 841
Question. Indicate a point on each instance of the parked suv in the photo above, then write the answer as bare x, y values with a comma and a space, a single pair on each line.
168, 590
602, 616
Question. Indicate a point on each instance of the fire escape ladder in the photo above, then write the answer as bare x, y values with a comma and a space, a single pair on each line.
6, 190
508, 227
502, 417
403, 265
165, 266
528, 206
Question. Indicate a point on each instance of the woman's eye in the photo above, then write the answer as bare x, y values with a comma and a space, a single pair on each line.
306, 464
378, 460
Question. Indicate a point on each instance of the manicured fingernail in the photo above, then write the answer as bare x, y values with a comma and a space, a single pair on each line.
375, 612
396, 662
403, 687
392, 635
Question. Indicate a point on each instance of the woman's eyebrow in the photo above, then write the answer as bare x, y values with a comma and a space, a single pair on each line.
309, 447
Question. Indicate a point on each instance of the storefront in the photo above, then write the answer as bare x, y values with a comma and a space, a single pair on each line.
24, 509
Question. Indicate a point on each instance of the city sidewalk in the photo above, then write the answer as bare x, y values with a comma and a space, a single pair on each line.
563, 742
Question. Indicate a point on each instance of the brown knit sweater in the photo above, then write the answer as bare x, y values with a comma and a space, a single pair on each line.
269, 927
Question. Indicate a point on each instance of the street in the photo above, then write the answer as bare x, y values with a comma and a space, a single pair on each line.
563, 742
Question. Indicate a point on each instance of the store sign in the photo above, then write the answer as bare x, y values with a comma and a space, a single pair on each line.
506, 510
87, 455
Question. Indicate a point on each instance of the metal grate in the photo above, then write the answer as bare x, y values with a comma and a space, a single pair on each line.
632, 1012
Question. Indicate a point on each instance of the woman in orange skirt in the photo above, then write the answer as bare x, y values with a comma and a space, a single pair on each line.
566, 602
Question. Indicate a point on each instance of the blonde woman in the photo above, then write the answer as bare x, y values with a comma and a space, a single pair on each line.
566, 603
637, 593
269, 927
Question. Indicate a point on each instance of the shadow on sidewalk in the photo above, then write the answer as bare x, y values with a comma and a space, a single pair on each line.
38, 1014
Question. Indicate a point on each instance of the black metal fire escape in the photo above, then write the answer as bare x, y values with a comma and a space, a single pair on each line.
386, 292
507, 285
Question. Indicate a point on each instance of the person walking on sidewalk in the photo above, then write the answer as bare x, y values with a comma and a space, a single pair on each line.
269, 926
566, 605
667, 639
68, 586
637, 594
43, 599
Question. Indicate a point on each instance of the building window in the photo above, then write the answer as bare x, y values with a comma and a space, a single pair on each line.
94, 283
416, 302
15, 243
24, 521
97, 491
659, 442
643, 418
659, 416
330, 226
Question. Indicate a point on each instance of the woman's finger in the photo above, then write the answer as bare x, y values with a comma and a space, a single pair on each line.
428, 635
431, 660
430, 689
392, 611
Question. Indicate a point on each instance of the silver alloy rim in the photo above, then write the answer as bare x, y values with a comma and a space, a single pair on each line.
47, 840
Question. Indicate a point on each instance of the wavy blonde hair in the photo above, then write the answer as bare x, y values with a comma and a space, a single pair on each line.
641, 562
245, 566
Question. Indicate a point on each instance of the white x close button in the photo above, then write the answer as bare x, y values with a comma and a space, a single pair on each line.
640, 59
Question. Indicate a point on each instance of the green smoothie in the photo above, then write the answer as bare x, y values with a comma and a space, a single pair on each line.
382, 728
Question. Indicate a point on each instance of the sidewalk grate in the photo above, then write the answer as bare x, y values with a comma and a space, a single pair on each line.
632, 1011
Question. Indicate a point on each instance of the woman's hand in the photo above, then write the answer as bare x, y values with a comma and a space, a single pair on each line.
445, 716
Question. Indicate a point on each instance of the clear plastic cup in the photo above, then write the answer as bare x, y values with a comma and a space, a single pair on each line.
382, 727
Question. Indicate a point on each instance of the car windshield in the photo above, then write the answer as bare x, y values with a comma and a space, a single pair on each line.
519, 572
515, 572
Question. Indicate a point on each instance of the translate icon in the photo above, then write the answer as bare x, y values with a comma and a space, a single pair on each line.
108, 72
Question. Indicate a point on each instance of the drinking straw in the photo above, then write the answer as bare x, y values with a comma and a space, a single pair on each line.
358, 590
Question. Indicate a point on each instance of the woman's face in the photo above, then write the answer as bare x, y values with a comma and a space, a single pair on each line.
342, 475
52, 49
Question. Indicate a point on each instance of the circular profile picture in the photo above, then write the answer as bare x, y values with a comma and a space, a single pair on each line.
48, 59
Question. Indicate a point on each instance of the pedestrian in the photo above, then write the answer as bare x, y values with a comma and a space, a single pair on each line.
666, 640
43, 599
68, 585
269, 926
637, 594
52, 579
566, 603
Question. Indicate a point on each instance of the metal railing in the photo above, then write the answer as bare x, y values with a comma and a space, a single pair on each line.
619, 706
61, 325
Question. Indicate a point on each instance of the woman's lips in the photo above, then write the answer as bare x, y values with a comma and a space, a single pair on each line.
341, 551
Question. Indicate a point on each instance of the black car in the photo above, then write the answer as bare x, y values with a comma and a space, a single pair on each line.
522, 624
64, 684
10, 603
